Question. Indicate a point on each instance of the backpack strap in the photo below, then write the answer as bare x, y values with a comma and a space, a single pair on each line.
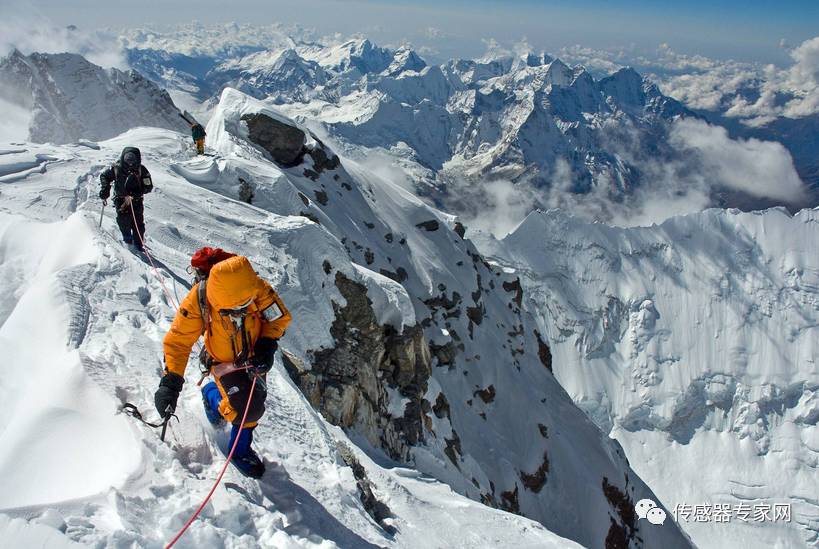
201, 292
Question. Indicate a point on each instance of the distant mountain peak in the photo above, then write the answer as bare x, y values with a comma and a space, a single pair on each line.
73, 98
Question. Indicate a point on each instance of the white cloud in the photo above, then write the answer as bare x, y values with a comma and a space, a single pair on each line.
28, 31
494, 50
751, 92
762, 169
15, 122
803, 77
503, 205
723, 85
598, 62
704, 163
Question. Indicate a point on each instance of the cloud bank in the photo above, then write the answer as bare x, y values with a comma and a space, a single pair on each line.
705, 165
27, 30
753, 93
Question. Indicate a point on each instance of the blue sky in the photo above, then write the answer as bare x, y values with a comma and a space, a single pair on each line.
747, 30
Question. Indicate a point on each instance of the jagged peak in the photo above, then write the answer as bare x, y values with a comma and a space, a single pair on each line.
626, 74
406, 59
558, 73
533, 59
14, 54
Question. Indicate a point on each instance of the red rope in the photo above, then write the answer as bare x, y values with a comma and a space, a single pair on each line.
221, 473
151, 259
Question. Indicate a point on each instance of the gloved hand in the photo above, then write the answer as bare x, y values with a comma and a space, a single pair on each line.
263, 353
104, 194
169, 388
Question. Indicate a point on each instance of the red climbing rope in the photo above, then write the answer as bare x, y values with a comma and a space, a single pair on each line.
151, 259
221, 473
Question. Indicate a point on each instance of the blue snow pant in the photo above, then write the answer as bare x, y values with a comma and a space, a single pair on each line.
213, 398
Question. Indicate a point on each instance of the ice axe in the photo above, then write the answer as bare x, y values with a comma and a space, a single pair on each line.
133, 411
104, 202
168, 416
186, 119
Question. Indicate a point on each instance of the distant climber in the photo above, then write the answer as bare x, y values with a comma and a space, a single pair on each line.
242, 319
131, 181
198, 134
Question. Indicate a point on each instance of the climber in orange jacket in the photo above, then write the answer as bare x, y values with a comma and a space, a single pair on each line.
241, 318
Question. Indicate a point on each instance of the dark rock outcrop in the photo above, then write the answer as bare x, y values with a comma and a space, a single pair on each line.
487, 395
374, 507
245, 191
321, 197
431, 225
544, 353
515, 286
350, 383
460, 230
536, 480
509, 501
283, 142
622, 531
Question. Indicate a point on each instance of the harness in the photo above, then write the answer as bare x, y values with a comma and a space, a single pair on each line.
205, 360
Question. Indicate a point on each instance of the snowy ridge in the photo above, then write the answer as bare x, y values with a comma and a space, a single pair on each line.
475, 438
309, 499
695, 344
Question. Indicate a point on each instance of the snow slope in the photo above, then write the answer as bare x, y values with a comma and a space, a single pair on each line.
85, 318
694, 343
390, 231
501, 430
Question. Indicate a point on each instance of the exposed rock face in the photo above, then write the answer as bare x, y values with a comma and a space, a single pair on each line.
374, 507
536, 480
544, 353
350, 384
245, 191
622, 532
431, 225
285, 143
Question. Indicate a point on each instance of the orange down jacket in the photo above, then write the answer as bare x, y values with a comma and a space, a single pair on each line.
231, 283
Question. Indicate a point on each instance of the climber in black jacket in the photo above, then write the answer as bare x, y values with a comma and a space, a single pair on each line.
131, 180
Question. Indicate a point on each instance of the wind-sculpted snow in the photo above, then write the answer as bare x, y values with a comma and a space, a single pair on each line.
496, 426
695, 344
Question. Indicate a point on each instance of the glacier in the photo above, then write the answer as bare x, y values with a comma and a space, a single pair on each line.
694, 343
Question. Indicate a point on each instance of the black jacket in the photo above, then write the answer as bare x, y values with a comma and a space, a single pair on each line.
127, 182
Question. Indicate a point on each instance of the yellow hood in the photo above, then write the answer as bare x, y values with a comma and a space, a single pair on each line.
232, 283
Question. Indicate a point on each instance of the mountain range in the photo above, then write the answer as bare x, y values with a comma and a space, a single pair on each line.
548, 373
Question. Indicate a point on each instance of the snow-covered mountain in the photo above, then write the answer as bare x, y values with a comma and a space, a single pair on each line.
518, 118
504, 133
72, 99
693, 343
424, 365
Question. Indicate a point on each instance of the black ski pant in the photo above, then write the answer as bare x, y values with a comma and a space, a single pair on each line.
235, 392
125, 220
